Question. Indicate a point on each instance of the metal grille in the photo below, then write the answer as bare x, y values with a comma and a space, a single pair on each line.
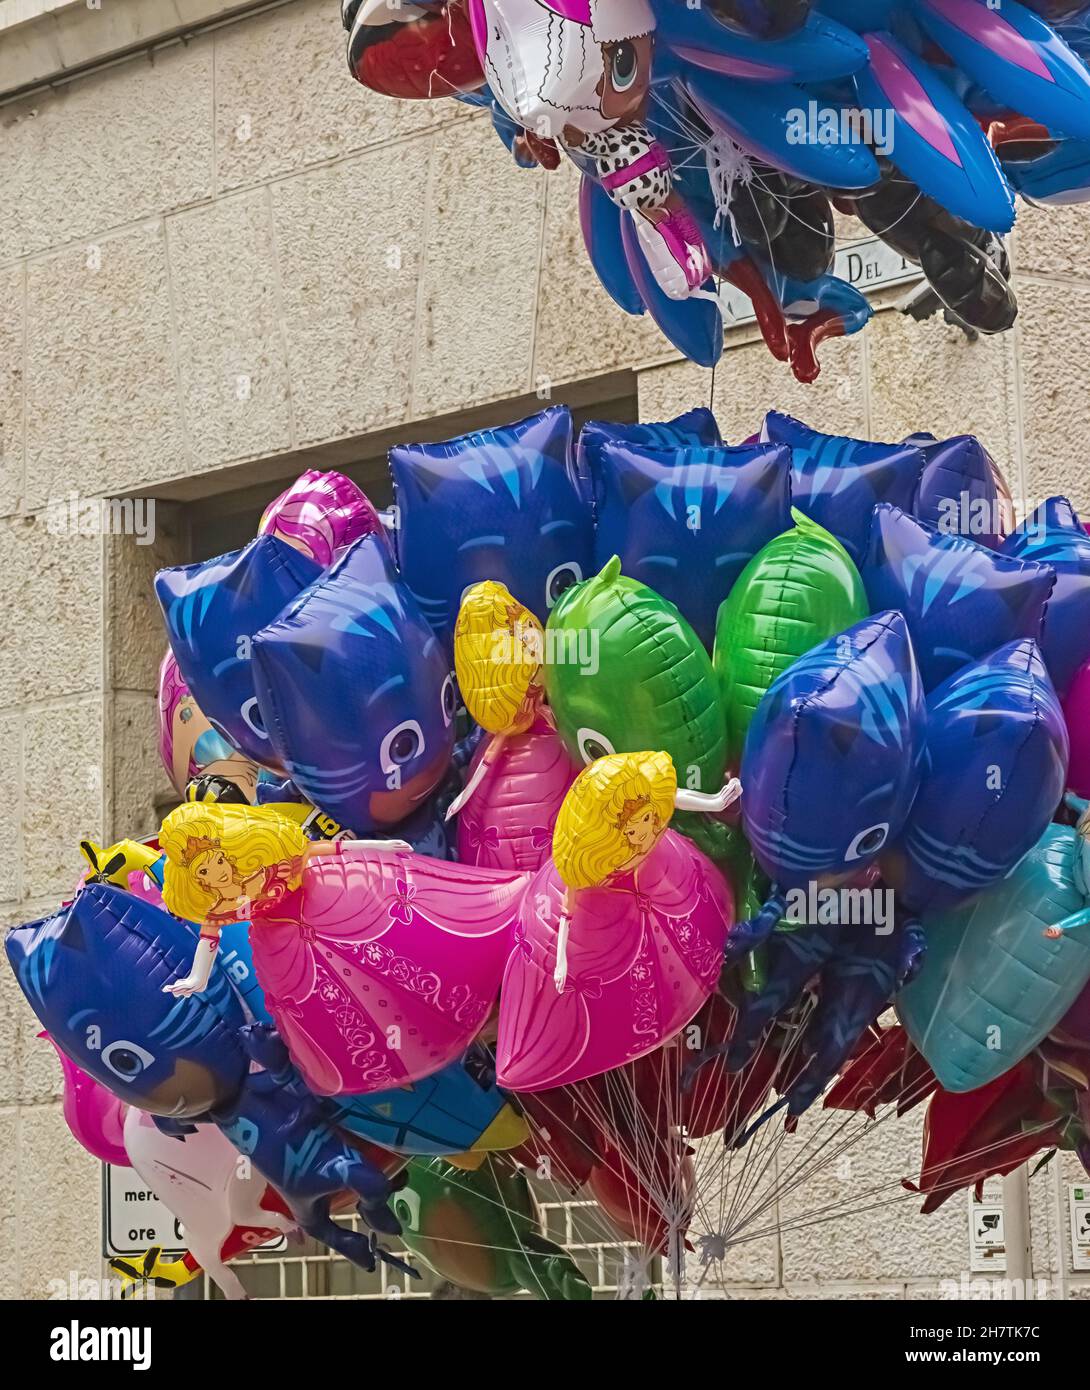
310, 1270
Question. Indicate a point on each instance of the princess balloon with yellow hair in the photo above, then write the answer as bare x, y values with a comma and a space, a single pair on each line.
522, 771
621, 936
378, 965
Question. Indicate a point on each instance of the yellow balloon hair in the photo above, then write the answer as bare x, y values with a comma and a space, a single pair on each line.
252, 838
589, 842
498, 648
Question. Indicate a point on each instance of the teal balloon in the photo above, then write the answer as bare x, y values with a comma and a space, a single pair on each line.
992, 984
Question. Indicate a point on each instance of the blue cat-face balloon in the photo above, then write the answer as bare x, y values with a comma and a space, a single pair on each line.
960, 599
996, 764
175, 1057
837, 481
958, 493
497, 504
357, 693
94, 976
212, 611
687, 521
1054, 536
696, 426
832, 757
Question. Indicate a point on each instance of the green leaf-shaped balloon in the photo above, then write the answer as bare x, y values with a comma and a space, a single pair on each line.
625, 672
480, 1230
801, 589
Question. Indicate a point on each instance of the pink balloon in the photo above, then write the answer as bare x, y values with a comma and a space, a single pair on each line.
508, 822
321, 514
94, 1115
396, 968
644, 952
1076, 707
172, 691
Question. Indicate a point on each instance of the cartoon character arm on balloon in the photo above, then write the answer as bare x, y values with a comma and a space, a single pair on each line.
612, 818
634, 170
223, 861
1069, 923
1081, 918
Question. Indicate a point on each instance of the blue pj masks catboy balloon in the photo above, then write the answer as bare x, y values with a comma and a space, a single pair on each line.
1054, 536
832, 760
212, 610
996, 763
496, 504
94, 976
176, 1057
696, 426
837, 481
849, 716
357, 692
687, 521
958, 493
961, 600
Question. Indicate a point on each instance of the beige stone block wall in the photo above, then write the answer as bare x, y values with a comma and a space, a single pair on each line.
253, 265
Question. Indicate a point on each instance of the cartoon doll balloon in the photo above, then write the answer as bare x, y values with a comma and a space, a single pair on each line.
519, 776
577, 73
188, 744
621, 937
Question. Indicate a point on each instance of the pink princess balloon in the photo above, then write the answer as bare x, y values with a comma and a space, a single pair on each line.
644, 953
321, 514
1076, 707
508, 822
382, 966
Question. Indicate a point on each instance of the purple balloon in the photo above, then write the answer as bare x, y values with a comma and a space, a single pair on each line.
957, 493
1054, 536
961, 601
687, 521
837, 481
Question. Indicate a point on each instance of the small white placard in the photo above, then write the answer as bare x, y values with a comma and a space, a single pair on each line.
1078, 1197
987, 1242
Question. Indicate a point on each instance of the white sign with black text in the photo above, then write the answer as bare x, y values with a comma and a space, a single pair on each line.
866, 265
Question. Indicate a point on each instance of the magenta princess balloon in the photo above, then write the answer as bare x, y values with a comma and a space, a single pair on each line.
321, 514
382, 966
508, 822
1076, 707
644, 953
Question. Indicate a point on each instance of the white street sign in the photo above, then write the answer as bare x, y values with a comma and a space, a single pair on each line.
866, 265
133, 1217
